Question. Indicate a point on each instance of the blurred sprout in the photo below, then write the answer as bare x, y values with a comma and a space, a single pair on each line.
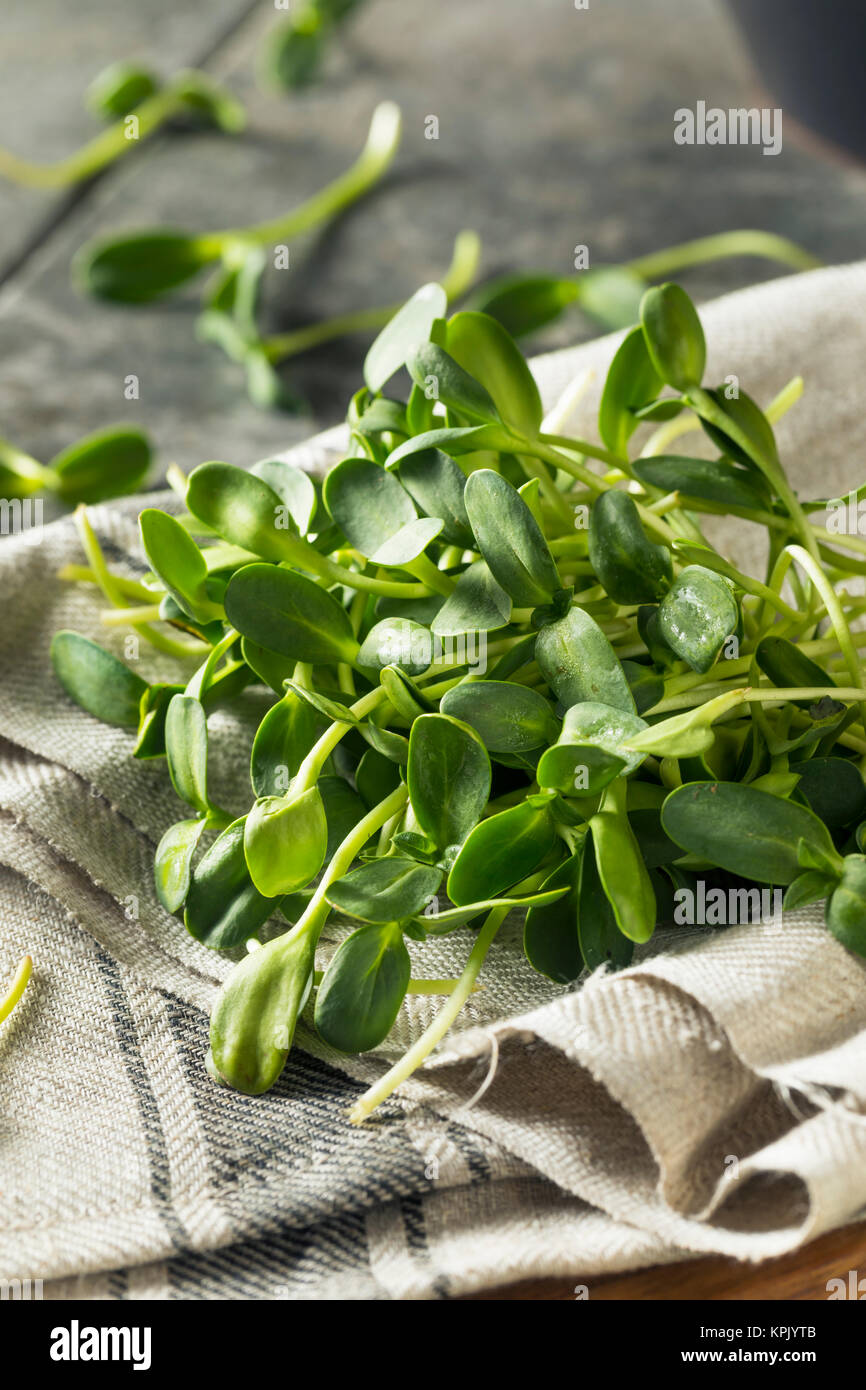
118, 89
293, 50
122, 92
110, 463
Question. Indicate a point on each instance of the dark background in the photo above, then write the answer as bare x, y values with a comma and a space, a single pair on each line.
556, 128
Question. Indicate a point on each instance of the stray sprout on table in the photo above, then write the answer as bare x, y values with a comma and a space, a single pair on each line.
293, 50
509, 672
133, 99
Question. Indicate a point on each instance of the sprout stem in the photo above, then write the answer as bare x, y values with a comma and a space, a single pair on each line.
433, 1035
455, 282
17, 988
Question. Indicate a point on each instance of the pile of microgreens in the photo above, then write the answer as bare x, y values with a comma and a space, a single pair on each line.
648, 715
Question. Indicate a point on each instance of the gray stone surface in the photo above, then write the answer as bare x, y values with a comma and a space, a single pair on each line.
556, 128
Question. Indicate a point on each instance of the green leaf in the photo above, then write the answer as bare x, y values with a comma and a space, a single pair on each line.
285, 841
293, 486
500, 852
332, 710
291, 53
371, 416
834, 789
376, 777
410, 326
141, 266
454, 441
392, 746
696, 615
715, 480
442, 379
623, 874
176, 559
223, 907
289, 614
186, 750
172, 868
435, 484
674, 337
343, 809
589, 753
254, 1018
283, 739
21, 475
397, 642
96, 680
809, 887
550, 932
109, 463
385, 890
845, 912
737, 426
631, 382
363, 988
484, 349
150, 742
748, 832
416, 847
407, 698
656, 847
210, 102
665, 408
375, 513
478, 604
611, 295
243, 509
601, 941
686, 735
525, 303
786, 666
510, 539
118, 89
645, 683
509, 718
579, 664
271, 668
628, 565
448, 777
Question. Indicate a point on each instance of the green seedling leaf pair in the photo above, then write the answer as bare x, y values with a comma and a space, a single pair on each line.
133, 98
610, 296
142, 266
109, 463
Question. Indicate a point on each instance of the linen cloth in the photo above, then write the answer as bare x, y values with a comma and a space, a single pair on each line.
709, 1098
